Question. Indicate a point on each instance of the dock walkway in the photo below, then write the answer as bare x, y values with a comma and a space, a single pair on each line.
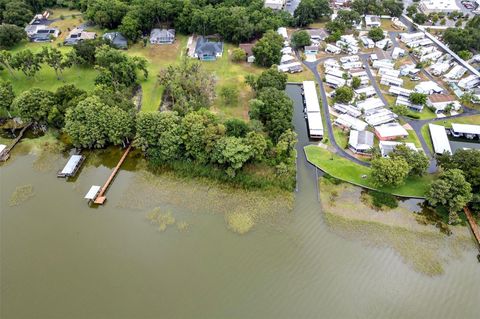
101, 198
5, 155
473, 224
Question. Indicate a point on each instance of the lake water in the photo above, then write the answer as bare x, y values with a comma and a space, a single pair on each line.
62, 259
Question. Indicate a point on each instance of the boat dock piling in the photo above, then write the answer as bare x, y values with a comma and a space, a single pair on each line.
101, 198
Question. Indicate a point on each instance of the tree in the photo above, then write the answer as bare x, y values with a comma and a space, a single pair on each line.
17, 12
267, 49
412, 10
286, 144
187, 86
229, 94
55, 59
308, 11
418, 98
300, 39
11, 35
258, 143
106, 13
28, 62
117, 69
6, 60
83, 52
356, 82
274, 109
94, 124
376, 34
420, 18
400, 110
239, 55
68, 96
452, 191
465, 55
271, 78
393, 8
348, 18
468, 161
389, 171
343, 94
200, 132
236, 128
34, 105
232, 152
417, 161
159, 134
6, 97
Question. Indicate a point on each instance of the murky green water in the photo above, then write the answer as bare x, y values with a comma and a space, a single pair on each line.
62, 259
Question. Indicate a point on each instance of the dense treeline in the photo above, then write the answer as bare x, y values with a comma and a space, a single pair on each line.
461, 39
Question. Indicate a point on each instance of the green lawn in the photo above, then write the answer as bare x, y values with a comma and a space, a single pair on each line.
351, 172
474, 119
341, 137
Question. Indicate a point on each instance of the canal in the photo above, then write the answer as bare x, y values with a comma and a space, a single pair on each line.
62, 259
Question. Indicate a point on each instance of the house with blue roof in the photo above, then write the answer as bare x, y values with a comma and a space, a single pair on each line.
208, 48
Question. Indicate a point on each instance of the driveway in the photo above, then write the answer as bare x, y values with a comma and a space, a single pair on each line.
364, 58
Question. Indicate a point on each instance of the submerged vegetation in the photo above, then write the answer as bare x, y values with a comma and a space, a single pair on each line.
240, 222
21, 194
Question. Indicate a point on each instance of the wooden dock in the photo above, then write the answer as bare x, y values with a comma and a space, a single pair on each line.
101, 198
473, 225
6, 152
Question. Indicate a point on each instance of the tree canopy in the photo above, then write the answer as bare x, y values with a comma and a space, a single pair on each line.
300, 39
11, 35
267, 49
389, 171
309, 11
376, 34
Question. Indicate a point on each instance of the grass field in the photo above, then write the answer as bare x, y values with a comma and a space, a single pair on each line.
474, 119
351, 172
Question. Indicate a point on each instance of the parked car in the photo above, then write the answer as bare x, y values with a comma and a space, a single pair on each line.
415, 78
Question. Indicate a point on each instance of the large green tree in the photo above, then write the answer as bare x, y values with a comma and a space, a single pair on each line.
11, 35
452, 191
389, 171
274, 109
27, 62
17, 12
343, 94
56, 60
309, 11
267, 49
269, 78
34, 105
300, 39
159, 134
6, 97
417, 161
468, 161
106, 13
6, 60
376, 34
232, 152
94, 124
188, 86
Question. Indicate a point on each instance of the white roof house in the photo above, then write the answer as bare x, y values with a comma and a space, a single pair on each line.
386, 147
421, 51
433, 6
364, 80
402, 100
372, 21
352, 65
464, 129
389, 72
350, 58
380, 117
330, 48
399, 91
469, 82
370, 104
440, 140
383, 43
331, 63
335, 72
391, 80
390, 131
347, 109
428, 87
439, 68
431, 56
360, 141
357, 72
367, 42
369, 91
387, 64
334, 81
350, 122
287, 58
418, 43
439, 102
349, 39
410, 37
456, 72
310, 96
397, 52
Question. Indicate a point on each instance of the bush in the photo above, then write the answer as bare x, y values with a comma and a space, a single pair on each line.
380, 199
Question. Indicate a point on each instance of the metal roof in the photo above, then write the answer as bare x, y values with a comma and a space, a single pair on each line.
440, 140
71, 164
92, 193
466, 128
311, 98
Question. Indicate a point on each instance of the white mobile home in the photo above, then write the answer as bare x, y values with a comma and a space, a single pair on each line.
389, 72
369, 91
439, 137
334, 81
390, 80
370, 104
333, 49
352, 65
469, 82
347, 121
350, 58
347, 109
456, 72
409, 37
428, 87
399, 91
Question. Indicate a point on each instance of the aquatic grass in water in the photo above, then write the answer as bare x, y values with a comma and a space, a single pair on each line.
239, 222
183, 226
163, 220
21, 194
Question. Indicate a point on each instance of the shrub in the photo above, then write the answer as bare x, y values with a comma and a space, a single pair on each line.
380, 200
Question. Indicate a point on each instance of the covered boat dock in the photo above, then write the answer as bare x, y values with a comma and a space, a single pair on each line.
72, 166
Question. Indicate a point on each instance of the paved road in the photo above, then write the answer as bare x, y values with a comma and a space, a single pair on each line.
312, 66
364, 58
